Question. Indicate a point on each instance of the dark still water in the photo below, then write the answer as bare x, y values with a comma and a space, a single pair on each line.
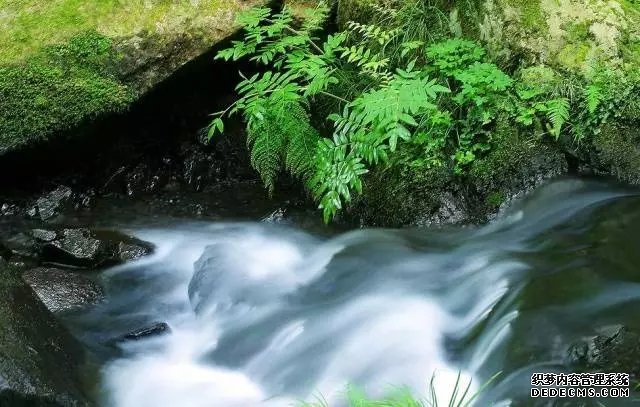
265, 315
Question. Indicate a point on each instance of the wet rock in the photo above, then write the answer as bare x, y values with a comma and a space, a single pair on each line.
616, 349
88, 249
129, 252
51, 204
156, 329
198, 167
63, 290
39, 360
43, 235
22, 246
451, 210
75, 247
143, 180
277, 216
7, 209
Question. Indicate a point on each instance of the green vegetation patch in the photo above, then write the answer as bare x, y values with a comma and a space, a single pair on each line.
28, 25
531, 13
58, 88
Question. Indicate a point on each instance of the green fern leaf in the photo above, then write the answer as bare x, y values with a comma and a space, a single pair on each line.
594, 97
558, 114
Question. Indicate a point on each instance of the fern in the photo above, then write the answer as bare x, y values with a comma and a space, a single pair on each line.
282, 138
558, 114
451, 56
376, 106
368, 127
593, 96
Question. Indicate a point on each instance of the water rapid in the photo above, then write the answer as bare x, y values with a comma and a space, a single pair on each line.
266, 315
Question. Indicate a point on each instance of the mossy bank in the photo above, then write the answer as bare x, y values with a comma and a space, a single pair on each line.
67, 62
564, 48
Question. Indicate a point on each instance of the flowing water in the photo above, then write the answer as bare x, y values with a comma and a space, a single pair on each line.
264, 315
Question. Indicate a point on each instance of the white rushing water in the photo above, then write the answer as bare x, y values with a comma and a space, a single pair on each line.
247, 285
262, 315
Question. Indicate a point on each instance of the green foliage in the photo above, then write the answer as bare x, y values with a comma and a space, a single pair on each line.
455, 54
460, 396
281, 136
558, 113
439, 101
58, 89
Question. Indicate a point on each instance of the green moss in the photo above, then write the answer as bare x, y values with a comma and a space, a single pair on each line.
617, 151
401, 195
27, 25
540, 77
58, 88
361, 11
515, 164
578, 31
532, 16
495, 198
573, 56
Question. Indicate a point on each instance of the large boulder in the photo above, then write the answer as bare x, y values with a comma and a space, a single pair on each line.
40, 361
62, 65
63, 290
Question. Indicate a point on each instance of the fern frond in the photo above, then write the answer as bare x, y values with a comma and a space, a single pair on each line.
594, 97
558, 114
266, 144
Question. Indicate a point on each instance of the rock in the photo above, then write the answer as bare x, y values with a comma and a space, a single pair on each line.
156, 329
123, 61
451, 211
89, 249
198, 167
277, 216
616, 349
8, 209
50, 205
143, 180
40, 361
63, 290
22, 246
74, 247
129, 252
43, 235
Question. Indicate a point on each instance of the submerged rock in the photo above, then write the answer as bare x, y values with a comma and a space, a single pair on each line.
39, 360
615, 350
156, 329
63, 290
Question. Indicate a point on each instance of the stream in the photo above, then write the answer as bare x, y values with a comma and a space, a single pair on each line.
267, 314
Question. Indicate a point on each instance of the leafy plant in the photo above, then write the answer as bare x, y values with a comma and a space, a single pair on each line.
274, 103
440, 100
402, 397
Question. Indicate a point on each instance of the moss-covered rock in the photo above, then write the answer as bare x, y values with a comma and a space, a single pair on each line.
66, 62
572, 35
515, 166
58, 88
405, 195
39, 360
421, 195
